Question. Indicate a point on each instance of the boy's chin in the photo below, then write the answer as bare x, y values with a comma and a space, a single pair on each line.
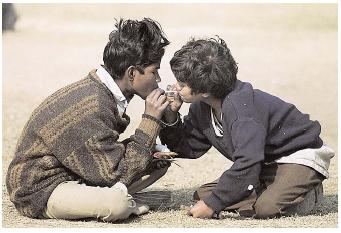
142, 97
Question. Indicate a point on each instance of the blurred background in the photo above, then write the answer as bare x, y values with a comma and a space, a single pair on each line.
288, 50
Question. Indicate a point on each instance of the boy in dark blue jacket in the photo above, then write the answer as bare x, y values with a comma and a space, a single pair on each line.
279, 159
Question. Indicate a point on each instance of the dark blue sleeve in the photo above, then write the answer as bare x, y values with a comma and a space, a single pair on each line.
186, 138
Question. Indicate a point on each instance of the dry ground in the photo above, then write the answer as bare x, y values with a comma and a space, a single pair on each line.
287, 50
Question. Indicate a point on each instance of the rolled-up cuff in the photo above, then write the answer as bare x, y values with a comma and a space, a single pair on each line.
214, 202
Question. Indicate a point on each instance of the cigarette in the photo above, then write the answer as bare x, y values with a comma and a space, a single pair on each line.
171, 93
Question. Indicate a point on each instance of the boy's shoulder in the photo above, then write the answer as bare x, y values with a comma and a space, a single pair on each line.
88, 85
244, 102
244, 94
85, 91
241, 95
247, 102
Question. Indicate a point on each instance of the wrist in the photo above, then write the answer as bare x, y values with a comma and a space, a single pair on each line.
214, 203
154, 116
169, 122
169, 116
150, 128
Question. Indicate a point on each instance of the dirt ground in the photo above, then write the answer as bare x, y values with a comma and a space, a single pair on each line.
287, 50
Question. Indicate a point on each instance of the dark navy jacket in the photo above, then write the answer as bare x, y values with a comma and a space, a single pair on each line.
258, 128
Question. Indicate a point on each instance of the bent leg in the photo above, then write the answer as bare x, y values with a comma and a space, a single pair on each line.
205, 190
244, 207
72, 200
288, 186
156, 200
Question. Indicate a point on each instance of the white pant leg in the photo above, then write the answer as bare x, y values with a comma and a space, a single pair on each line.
72, 200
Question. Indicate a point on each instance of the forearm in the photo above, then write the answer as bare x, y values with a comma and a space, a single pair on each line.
102, 160
171, 135
185, 142
169, 116
139, 149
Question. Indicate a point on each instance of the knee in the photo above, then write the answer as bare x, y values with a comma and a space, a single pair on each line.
119, 206
266, 208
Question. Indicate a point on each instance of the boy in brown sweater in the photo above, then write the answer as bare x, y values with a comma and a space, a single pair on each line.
68, 162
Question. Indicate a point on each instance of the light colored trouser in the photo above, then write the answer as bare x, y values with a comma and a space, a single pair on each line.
74, 200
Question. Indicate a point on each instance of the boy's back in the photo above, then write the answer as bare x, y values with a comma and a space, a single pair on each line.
287, 129
284, 128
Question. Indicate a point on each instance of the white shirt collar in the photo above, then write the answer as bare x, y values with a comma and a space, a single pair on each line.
109, 82
218, 128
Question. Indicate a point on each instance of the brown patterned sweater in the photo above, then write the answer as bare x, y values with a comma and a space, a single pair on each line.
74, 135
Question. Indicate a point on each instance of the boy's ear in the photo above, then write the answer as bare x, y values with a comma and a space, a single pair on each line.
130, 72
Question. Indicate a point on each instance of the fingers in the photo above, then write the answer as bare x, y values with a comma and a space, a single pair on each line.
164, 155
157, 97
151, 95
154, 95
165, 104
156, 103
157, 155
161, 99
172, 154
160, 164
201, 210
191, 212
158, 92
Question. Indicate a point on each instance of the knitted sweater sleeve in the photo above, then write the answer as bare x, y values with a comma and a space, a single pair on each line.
186, 138
242, 177
92, 151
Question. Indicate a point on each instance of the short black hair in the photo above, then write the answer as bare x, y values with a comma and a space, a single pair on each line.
206, 66
134, 43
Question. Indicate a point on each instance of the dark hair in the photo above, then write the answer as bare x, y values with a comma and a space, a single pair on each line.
134, 43
206, 66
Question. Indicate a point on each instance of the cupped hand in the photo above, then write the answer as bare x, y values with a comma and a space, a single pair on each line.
174, 100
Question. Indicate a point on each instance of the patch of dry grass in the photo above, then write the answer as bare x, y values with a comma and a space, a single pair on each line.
278, 52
